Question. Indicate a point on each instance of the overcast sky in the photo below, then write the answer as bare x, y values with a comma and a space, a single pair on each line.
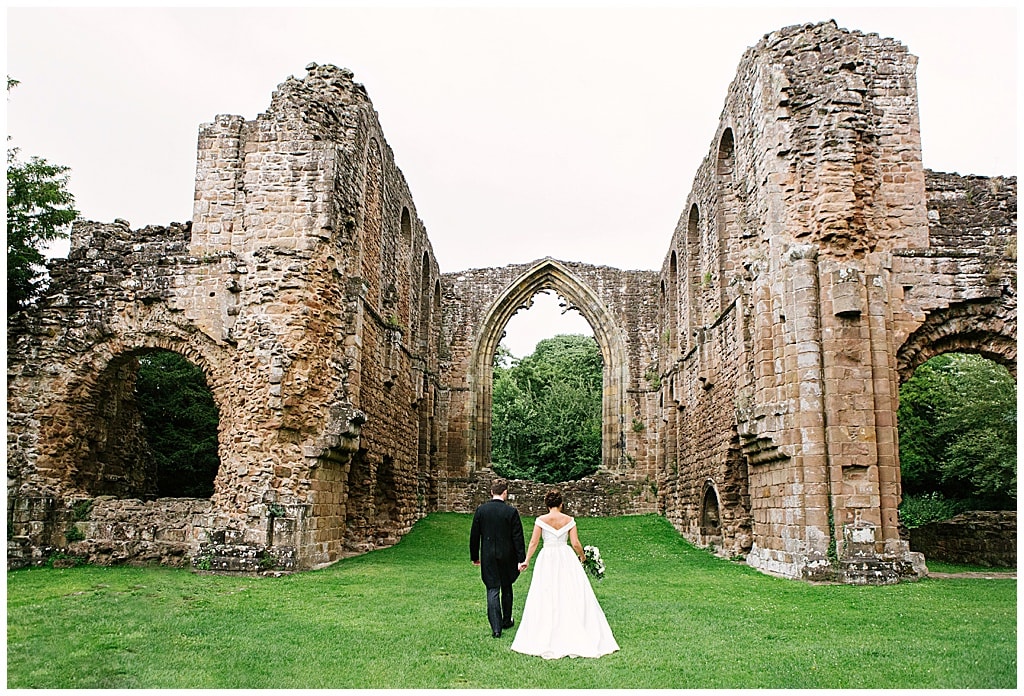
522, 132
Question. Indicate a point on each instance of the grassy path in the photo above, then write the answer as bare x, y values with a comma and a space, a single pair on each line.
413, 616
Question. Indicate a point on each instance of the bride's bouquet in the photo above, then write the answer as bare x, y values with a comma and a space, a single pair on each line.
592, 562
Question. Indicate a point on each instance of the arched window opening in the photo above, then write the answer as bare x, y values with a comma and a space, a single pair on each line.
726, 156
546, 421
549, 275
957, 424
694, 281
423, 330
371, 239
728, 218
442, 345
406, 228
663, 304
400, 275
672, 313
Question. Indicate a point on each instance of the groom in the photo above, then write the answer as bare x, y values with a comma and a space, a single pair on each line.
496, 545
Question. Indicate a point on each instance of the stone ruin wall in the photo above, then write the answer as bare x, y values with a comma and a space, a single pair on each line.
783, 307
603, 494
814, 164
323, 197
753, 380
73, 440
971, 538
960, 294
300, 290
621, 308
357, 318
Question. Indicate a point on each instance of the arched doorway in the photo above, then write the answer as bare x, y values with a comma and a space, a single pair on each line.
953, 455
149, 429
180, 420
957, 437
549, 274
710, 515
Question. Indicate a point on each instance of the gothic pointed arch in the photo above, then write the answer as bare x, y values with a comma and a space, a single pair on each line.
371, 244
710, 512
549, 274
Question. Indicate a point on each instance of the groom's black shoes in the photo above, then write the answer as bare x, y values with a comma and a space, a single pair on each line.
510, 624
496, 634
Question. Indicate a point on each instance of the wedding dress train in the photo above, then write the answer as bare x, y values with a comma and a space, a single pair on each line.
562, 617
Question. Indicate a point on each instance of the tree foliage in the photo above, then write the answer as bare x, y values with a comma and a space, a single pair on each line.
39, 210
546, 422
181, 420
958, 432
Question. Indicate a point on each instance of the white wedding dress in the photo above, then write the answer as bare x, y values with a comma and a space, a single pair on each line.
561, 617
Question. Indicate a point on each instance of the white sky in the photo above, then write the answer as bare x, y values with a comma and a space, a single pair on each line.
522, 132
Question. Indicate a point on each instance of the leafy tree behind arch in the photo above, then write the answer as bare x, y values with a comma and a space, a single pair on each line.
546, 421
181, 421
958, 434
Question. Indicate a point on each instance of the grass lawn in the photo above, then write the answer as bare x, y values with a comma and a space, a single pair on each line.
413, 616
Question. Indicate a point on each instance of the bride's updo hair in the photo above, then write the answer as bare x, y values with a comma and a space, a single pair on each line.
553, 499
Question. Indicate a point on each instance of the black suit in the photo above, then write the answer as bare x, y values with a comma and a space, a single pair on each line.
496, 541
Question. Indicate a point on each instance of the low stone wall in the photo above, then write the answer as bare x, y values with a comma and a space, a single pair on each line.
974, 538
602, 495
110, 531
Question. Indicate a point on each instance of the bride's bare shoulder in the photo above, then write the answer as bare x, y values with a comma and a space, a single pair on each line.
556, 520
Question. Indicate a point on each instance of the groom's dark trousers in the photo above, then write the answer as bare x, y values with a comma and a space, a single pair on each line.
496, 541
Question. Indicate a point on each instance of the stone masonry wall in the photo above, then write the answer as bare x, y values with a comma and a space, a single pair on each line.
811, 194
477, 306
603, 494
704, 475
72, 422
960, 294
973, 538
267, 292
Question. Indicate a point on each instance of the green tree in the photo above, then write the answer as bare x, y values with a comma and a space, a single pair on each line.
923, 399
181, 420
982, 454
39, 210
957, 429
546, 419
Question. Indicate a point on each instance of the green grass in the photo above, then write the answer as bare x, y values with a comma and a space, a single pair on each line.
413, 616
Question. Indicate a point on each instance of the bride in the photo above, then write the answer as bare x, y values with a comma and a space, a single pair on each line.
562, 616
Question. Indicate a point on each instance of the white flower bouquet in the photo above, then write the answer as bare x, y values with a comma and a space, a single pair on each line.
592, 561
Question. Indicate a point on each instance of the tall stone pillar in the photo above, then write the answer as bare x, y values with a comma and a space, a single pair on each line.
861, 394
789, 494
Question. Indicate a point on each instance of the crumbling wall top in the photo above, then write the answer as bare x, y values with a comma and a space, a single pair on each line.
321, 100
